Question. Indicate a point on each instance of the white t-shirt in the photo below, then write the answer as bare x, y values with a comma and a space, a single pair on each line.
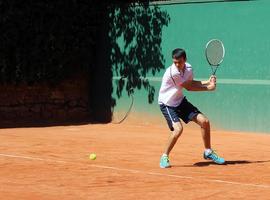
171, 91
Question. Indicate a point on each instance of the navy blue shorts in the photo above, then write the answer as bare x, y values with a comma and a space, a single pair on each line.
186, 111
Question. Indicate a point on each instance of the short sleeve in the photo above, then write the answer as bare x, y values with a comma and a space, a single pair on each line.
190, 75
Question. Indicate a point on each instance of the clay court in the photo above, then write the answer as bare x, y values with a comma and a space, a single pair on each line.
52, 163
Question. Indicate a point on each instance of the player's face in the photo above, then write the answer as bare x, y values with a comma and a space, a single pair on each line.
179, 63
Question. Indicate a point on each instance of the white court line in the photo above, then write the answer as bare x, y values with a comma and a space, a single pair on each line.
140, 172
31, 158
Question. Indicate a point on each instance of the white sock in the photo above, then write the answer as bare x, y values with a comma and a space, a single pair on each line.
164, 154
207, 151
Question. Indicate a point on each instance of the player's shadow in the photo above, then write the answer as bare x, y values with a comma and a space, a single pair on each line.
230, 162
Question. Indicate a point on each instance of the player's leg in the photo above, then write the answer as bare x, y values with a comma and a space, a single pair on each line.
208, 154
173, 137
204, 123
189, 112
176, 127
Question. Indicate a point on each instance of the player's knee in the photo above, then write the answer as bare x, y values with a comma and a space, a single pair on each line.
177, 131
205, 122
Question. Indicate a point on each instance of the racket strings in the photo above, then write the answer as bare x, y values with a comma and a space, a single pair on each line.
215, 53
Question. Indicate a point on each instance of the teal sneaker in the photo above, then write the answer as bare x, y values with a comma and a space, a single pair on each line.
214, 157
164, 162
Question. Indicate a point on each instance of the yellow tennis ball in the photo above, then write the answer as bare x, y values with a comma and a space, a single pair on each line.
92, 156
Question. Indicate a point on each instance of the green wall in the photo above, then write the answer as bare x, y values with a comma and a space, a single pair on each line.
241, 101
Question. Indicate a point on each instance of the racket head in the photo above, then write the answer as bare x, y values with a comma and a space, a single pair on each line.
214, 52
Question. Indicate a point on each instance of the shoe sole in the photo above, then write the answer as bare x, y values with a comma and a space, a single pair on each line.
216, 162
164, 167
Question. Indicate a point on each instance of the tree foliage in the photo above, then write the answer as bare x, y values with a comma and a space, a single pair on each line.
135, 32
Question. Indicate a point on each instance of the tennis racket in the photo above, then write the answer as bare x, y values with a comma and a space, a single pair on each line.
214, 53
116, 119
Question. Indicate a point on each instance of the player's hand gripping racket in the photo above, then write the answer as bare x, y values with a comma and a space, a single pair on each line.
214, 53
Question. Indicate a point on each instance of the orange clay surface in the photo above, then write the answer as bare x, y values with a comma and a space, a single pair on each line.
52, 163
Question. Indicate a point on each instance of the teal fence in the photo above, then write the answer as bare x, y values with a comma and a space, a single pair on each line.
241, 101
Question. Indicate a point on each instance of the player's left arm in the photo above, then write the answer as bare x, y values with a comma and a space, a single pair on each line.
194, 85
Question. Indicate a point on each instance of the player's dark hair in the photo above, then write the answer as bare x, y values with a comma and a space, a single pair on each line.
179, 53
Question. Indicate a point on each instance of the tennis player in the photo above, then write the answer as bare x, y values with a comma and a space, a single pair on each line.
175, 106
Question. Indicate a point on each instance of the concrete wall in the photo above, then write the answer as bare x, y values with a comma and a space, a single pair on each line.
42, 104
